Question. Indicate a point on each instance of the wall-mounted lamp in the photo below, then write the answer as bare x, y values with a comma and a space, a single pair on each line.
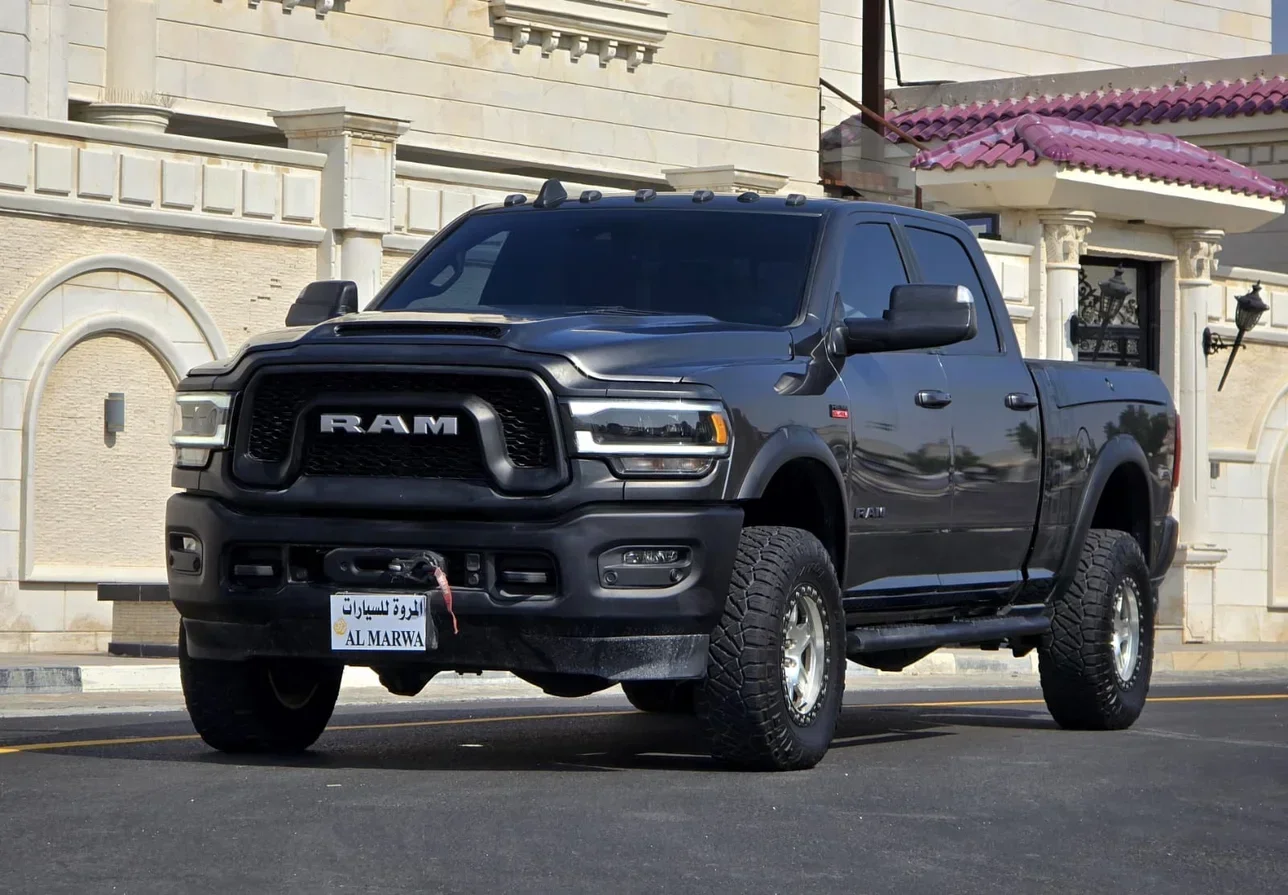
1114, 292
114, 413
1246, 316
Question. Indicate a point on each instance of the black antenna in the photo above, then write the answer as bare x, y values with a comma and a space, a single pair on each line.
552, 193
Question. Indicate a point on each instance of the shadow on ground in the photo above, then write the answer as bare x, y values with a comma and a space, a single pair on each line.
602, 741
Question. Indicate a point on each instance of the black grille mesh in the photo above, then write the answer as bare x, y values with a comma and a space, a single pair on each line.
519, 402
397, 456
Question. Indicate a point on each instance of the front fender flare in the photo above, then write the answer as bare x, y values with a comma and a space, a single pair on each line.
785, 445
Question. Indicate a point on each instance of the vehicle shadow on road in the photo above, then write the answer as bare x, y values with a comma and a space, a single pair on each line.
565, 742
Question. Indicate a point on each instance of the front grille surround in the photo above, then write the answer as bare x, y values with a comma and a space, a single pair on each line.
508, 434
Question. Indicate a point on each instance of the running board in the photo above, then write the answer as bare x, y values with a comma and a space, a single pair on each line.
883, 638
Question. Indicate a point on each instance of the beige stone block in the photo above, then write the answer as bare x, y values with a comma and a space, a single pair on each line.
1237, 624
1261, 659
1241, 587
103, 279
1247, 551
219, 187
102, 640
424, 210
13, 394
455, 204
10, 504
139, 176
178, 184
1279, 309
1246, 479
1203, 660
259, 194
84, 611
47, 315
1163, 661
15, 642
31, 607
53, 169
15, 164
299, 197
97, 174
73, 642
10, 468
82, 301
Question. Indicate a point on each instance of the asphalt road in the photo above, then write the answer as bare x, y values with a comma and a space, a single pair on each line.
924, 791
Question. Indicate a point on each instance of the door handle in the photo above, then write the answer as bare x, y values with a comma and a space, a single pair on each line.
1021, 401
933, 398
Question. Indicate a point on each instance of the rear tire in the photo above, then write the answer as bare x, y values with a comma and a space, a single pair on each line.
776, 666
661, 697
277, 706
1096, 662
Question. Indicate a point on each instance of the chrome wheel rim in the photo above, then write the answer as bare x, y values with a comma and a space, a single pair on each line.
1126, 633
804, 653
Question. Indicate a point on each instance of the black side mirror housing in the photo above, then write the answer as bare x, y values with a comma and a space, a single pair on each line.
323, 300
920, 316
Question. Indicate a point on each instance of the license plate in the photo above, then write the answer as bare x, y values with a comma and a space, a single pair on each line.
381, 622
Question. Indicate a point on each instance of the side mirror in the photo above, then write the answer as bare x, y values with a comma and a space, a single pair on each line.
920, 316
323, 300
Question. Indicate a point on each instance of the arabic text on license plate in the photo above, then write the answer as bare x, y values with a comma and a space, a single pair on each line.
380, 622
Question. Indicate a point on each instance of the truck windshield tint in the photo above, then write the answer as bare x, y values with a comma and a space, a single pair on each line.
738, 267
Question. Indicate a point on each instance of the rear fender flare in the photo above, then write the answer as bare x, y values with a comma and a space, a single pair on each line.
1120, 450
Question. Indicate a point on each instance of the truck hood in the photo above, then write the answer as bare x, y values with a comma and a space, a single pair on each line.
602, 346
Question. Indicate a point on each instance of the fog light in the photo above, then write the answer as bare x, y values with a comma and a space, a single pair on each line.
184, 553
654, 557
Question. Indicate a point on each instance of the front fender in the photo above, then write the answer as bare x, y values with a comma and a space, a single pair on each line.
785, 445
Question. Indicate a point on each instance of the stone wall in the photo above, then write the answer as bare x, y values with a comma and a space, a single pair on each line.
719, 82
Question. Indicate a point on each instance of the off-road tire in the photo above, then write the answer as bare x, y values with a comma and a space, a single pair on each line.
1080, 682
235, 706
742, 702
661, 697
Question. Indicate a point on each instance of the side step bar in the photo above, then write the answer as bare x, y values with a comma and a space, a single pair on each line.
883, 638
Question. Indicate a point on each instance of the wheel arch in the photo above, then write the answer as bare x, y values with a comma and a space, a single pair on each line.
796, 481
1117, 496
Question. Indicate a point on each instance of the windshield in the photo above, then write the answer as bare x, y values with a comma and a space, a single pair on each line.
738, 267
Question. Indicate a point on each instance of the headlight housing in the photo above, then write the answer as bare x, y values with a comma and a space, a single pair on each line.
644, 437
201, 424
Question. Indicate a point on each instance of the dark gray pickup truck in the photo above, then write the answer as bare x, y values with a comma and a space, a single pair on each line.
707, 447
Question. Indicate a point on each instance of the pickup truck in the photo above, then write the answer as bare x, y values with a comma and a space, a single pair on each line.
705, 447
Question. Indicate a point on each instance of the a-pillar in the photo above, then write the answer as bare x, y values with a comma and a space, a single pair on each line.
357, 188
1064, 238
1196, 252
130, 96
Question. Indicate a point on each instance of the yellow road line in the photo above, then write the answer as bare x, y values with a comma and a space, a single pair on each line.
14, 748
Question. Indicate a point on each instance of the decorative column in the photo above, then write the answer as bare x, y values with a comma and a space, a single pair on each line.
1064, 238
1196, 252
130, 98
46, 58
357, 188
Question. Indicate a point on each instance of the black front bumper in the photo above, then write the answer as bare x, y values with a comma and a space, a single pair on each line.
584, 627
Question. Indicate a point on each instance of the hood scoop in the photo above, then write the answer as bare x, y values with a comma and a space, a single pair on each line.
414, 328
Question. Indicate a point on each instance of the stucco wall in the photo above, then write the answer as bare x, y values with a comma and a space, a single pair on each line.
731, 83
99, 499
245, 285
967, 40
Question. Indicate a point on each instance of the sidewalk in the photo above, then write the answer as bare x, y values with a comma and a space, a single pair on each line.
27, 674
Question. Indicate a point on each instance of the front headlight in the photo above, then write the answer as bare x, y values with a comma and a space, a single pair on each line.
200, 425
652, 437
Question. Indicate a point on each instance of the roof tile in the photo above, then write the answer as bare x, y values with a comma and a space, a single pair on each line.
1033, 138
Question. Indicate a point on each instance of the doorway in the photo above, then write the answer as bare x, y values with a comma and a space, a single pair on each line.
1118, 311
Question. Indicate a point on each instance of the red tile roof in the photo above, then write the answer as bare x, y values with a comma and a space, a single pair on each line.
1031, 139
1227, 99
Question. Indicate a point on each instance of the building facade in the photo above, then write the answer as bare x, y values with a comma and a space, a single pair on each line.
173, 172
